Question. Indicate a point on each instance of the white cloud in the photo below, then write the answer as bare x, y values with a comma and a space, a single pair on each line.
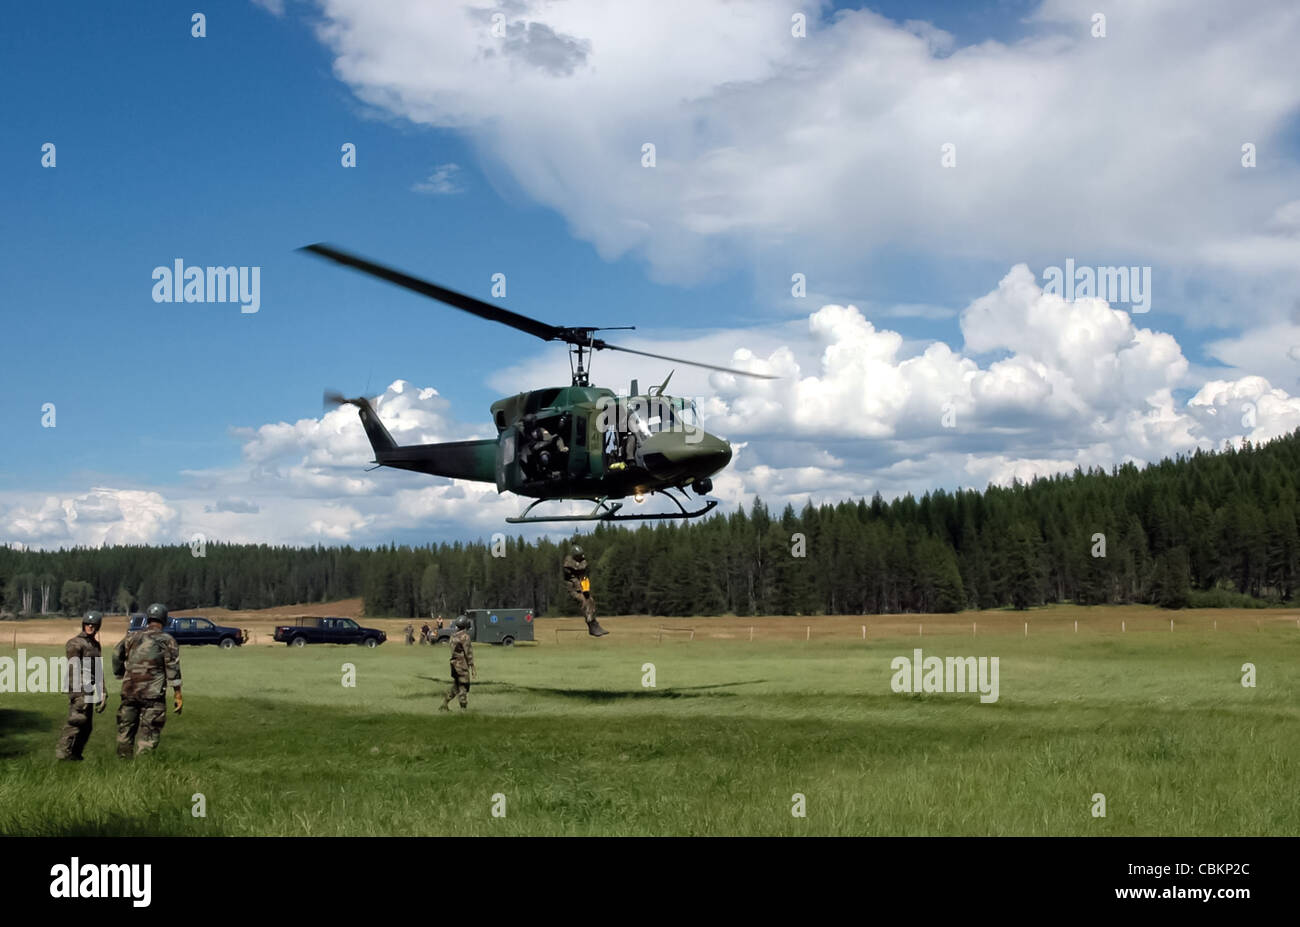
1040, 386
102, 516
1272, 351
822, 149
444, 180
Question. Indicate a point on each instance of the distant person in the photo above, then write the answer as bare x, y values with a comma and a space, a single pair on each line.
84, 655
424, 633
439, 622
579, 583
462, 664
410, 635
147, 662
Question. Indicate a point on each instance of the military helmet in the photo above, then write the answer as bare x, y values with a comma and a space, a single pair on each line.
461, 623
94, 619
157, 612
577, 550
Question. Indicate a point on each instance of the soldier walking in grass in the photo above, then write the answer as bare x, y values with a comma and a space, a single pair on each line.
462, 664
86, 696
579, 584
410, 635
147, 662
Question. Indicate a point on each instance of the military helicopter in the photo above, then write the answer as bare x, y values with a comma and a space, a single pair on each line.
575, 442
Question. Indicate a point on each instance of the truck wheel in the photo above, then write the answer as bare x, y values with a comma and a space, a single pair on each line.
371, 642
227, 643
300, 642
507, 642
438, 641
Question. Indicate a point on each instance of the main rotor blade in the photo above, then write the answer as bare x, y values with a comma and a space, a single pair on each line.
459, 300
603, 345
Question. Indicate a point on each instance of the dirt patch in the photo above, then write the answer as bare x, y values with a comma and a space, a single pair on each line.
1058, 619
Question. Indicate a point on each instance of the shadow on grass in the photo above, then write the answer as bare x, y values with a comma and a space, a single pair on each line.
609, 695
601, 695
13, 721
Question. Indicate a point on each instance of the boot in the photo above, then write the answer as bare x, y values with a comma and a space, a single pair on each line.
594, 628
443, 706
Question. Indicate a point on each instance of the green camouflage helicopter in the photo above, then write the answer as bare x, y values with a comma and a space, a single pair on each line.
567, 442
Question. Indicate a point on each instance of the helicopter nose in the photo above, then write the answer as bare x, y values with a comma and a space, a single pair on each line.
708, 456
698, 454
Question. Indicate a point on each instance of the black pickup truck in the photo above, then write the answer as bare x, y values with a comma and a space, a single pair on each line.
195, 630
328, 631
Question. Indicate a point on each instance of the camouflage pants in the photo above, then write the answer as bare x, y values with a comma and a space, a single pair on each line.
585, 600
459, 690
139, 724
75, 733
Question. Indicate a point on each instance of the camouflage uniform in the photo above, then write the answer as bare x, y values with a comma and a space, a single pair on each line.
147, 662
410, 635
462, 665
85, 651
575, 571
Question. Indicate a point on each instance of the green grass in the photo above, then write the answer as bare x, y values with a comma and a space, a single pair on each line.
1159, 723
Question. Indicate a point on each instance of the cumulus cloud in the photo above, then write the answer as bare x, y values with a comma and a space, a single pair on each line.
1076, 373
822, 149
101, 516
1040, 386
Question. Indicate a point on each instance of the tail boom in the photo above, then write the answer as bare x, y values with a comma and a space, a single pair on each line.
461, 460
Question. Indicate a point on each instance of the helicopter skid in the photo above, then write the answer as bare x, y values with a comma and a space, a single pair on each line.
682, 514
607, 511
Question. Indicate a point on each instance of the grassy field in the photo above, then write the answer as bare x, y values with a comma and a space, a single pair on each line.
1158, 722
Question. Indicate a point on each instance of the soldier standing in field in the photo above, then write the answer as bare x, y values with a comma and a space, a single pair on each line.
83, 657
410, 635
147, 662
575, 577
462, 664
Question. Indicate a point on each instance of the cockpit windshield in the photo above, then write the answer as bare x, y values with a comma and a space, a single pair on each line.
667, 414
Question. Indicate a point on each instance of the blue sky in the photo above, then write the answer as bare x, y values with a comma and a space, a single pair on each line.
226, 150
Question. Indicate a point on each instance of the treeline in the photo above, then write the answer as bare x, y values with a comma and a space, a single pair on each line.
1216, 528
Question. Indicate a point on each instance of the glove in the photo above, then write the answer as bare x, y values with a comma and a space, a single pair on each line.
177, 703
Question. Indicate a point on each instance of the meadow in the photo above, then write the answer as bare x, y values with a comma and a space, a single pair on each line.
564, 737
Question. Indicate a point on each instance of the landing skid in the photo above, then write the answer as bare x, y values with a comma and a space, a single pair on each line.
605, 510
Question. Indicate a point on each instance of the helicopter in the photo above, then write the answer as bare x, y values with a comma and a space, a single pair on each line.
564, 443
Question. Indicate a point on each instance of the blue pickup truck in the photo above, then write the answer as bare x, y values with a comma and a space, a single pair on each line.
328, 631
195, 630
